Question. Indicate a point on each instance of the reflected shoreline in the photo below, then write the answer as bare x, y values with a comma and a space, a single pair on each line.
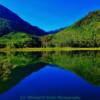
18, 65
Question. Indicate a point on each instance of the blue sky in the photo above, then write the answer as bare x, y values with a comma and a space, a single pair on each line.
51, 14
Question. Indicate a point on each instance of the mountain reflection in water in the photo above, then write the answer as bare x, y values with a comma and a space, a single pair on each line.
17, 66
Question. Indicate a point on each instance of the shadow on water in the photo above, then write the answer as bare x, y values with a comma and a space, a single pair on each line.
15, 66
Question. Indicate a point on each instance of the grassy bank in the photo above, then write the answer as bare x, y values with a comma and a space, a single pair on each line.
49, 49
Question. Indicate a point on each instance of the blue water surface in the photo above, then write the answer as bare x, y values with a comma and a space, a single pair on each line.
52, 83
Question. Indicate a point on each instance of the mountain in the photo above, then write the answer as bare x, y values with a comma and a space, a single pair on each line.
84, 33
9, 22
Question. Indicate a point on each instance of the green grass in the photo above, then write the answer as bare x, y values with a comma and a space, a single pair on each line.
49, 49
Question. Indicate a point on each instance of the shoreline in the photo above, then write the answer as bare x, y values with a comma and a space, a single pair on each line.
48, 49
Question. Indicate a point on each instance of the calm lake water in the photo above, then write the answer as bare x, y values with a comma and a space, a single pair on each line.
50, 75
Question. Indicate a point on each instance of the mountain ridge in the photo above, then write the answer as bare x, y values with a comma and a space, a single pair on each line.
83, 33
16, 23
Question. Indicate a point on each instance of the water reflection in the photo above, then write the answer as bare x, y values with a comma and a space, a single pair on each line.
15, 66
84, 64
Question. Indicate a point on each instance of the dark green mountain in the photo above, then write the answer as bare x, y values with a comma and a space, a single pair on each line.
10, 22
84, 33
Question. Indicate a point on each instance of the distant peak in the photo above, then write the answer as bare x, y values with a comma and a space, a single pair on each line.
94, 15
3, 8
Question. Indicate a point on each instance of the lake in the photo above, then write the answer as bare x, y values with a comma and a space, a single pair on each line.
50, 75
